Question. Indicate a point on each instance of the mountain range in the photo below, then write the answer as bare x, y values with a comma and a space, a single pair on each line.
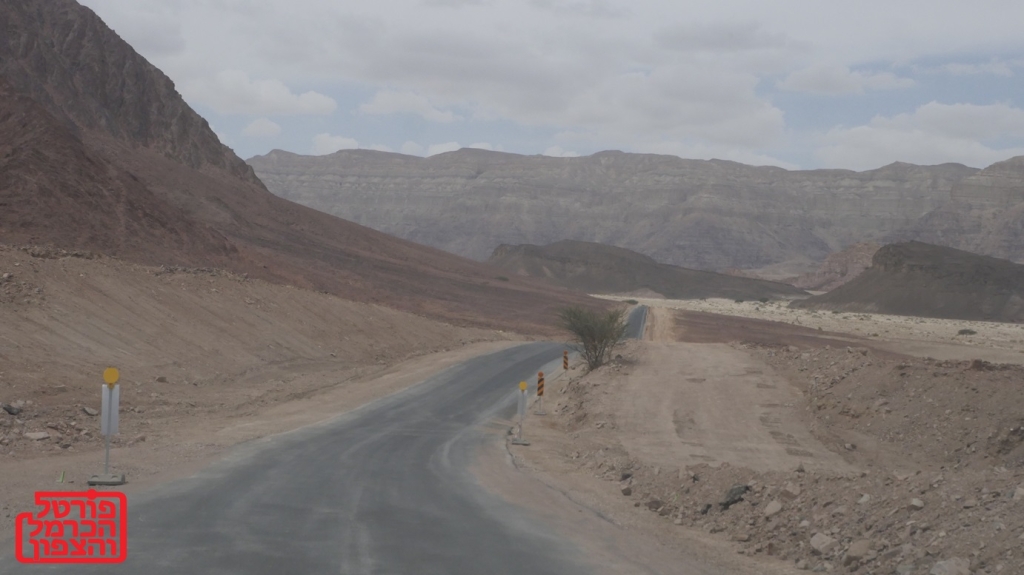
712, 215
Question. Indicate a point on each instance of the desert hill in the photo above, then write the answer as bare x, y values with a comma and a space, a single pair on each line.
101, 153
601, 269
925, 280
838, 268
699, 214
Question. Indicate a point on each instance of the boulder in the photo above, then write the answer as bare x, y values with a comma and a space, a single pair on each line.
1018, 495
857, 552
822, 544
90, 411
772, 508
955, 566
734, 495
916, 504
790, 491
37, 435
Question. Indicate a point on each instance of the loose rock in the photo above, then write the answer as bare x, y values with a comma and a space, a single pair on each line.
955, 566
90, 411
822, 543
37, 435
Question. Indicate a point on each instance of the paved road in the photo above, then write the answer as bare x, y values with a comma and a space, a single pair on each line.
383, 489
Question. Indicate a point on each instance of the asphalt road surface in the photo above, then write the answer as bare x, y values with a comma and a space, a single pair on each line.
383, 489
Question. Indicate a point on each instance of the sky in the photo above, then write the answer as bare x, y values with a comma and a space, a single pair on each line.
800, 84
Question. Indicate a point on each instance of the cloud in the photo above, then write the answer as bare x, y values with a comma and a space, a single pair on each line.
833, 80
379, 148
233, 92
484, 146
327, 144
721, 37
434, 149
391, 102
412, 149
558, 152
934, 133
261, 128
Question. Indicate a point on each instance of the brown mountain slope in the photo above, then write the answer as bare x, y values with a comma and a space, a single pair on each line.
54, 189
597, 268
924, 280
698, 214
102, 132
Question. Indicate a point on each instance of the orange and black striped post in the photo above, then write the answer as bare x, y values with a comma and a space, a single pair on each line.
565, 360
540, 394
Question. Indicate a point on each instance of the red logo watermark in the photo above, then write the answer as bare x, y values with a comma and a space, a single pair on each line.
73, 527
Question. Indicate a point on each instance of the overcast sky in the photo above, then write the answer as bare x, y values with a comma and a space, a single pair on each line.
799, 84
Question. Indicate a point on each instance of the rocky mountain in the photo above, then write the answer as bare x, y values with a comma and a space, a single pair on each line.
838, 268
985, 214
699, 214
600, 269
98, 151
919, 279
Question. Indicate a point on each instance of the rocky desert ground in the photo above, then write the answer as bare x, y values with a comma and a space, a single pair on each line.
801, 441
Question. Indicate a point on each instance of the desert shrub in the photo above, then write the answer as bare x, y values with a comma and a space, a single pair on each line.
595, 333
763, 300
632, 301
502, 278
739, 301
966, 331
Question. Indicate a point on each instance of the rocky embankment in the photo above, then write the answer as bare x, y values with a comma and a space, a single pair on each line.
938, 449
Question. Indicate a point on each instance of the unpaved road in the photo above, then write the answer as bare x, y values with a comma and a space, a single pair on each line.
686, 404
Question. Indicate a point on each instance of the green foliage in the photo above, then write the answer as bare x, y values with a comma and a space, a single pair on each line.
595, 333
967, 332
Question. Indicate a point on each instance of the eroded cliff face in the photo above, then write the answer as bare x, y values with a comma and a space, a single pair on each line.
61, 55
985, 214
699, 214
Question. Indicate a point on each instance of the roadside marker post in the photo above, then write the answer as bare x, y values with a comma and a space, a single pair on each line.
109, 419
565, 360
540, 394
518, 439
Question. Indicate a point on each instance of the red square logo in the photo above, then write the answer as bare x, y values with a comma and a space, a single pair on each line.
73, 527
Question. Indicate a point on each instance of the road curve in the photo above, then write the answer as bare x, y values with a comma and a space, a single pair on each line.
383, 489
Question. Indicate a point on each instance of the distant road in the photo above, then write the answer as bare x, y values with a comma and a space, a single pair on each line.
383, 489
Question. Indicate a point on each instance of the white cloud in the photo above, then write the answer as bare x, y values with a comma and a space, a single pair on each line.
327, 144
484, 146
379, 148
261, 128
841, 80
233, 92
558, 152
934, 133
412, 148
390, 102
434, 149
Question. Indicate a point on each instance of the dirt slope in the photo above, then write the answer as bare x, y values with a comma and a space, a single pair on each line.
599, 268
923, 280
108, 157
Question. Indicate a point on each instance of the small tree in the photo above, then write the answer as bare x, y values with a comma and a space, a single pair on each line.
595, 333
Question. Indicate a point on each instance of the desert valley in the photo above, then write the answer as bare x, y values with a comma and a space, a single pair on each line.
829, 375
